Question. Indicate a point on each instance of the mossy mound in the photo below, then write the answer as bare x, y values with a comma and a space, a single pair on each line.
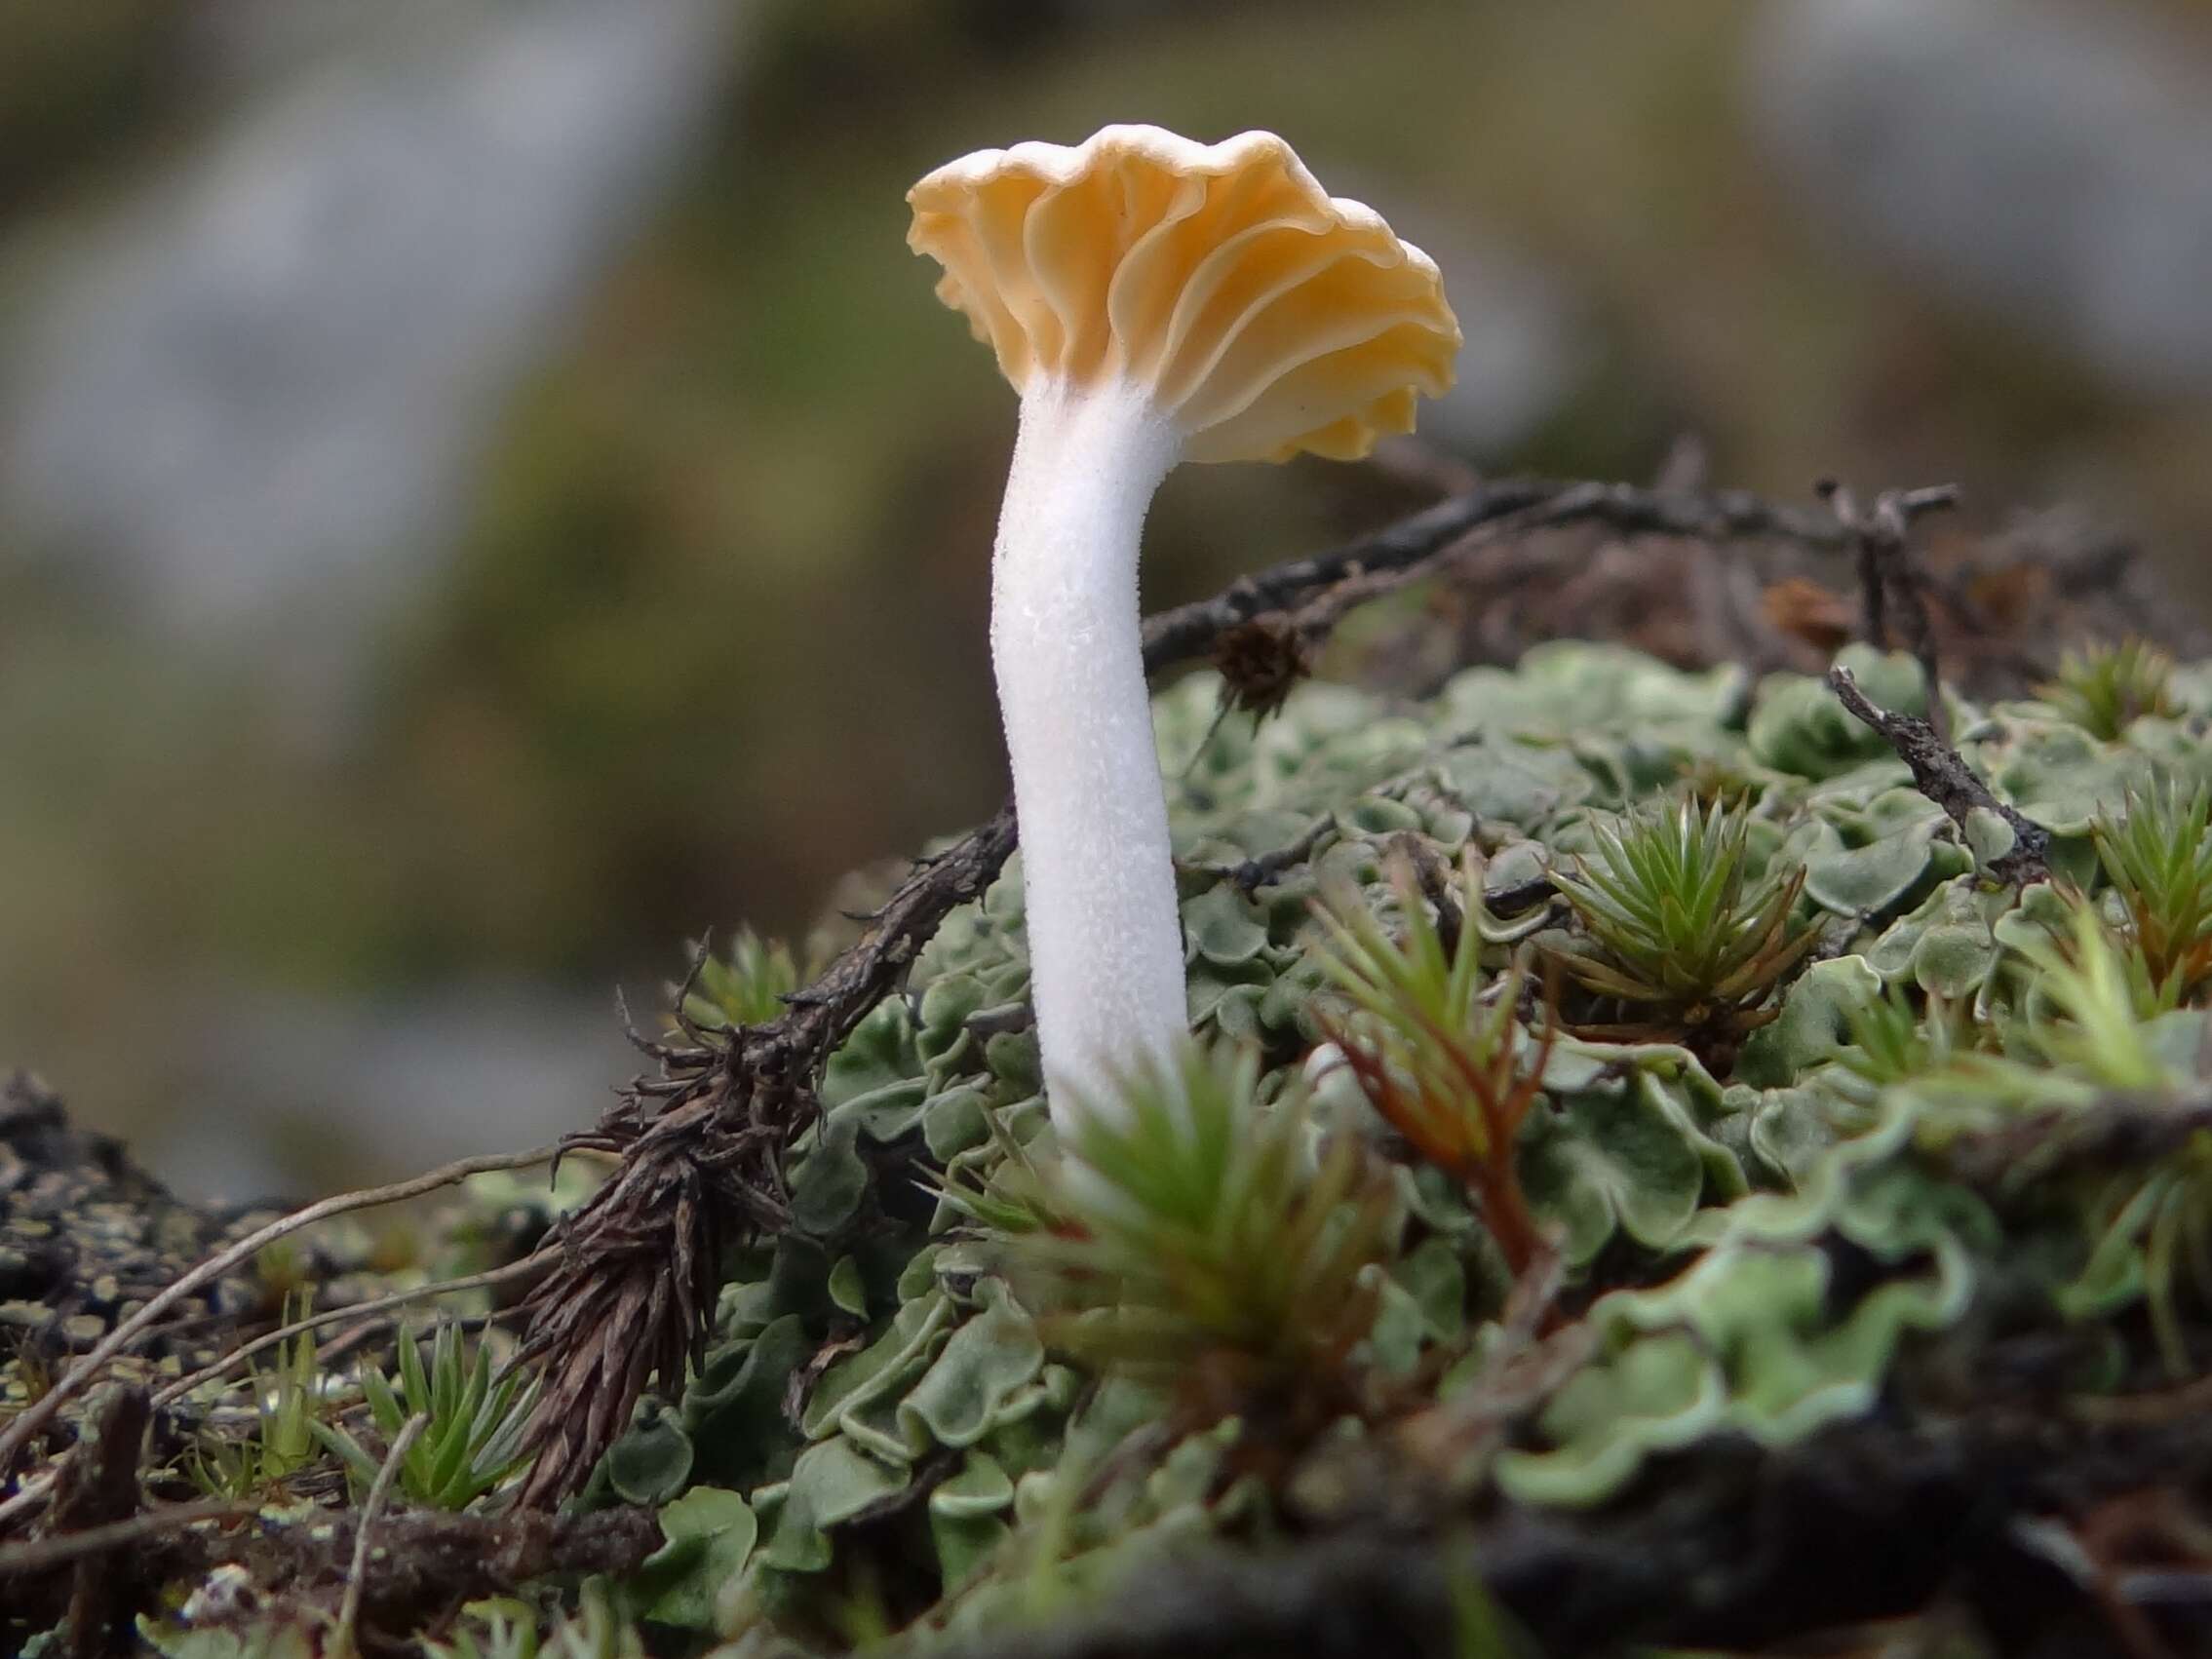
1754, 1250
1957, 1148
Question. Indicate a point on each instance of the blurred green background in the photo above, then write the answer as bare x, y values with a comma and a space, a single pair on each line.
336, 880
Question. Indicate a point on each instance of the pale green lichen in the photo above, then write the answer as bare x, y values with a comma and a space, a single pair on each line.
1637, 1148
1759, 1230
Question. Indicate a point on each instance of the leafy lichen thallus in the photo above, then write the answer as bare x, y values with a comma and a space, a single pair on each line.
1152, 301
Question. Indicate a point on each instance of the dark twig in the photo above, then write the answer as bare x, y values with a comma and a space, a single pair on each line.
1417, 547
1189, 631
43, 1555
1941, 774
1622, 507
1888, 569
101, 1487
423, 1563
1437, 880
1265, 870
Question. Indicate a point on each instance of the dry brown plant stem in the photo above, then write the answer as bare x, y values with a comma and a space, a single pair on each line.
1883, 536
35, 1491
379, 1493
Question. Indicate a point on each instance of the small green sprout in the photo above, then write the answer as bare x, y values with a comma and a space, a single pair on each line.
296, 1634
594, 1630
1678, 927
472, 1441
2161, 1216
502, 1629
1017, 1197
745, 987
1437, 1051
1890, 1042
1207, 1252
2085, 1008
2104, 688
509, 1629
2091, 1023
286, 1404
2158, 858
2077, 1036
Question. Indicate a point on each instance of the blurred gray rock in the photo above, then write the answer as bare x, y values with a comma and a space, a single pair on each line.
327, 1093
255, 394
2050, 162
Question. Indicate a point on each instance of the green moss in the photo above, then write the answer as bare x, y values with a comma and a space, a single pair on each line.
1700, 1205
960, 1393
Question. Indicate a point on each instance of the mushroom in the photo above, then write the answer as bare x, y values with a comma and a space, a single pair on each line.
1152, 299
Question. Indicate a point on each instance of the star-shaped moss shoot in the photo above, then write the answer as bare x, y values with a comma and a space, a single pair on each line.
1199, 1243
1436, 1047
2105, 686
1677, 932
2158, 855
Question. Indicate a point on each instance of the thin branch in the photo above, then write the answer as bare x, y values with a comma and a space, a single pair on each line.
1321, 590
528, 1267
1189, 631
1941, 773
34, 1418
1888, 568
101, 1487
379, 1493
1265, 870
419, 1558
1412, 548
36, 1488
41, 1554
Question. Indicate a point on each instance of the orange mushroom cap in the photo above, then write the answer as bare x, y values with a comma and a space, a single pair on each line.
1262, 315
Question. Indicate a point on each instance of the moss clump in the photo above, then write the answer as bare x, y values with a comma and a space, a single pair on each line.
1758, 1242
984, 1379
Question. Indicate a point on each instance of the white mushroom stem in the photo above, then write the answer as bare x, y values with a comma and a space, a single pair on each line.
1106, 939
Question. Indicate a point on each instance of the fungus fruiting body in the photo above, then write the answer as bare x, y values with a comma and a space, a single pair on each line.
1152, 301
